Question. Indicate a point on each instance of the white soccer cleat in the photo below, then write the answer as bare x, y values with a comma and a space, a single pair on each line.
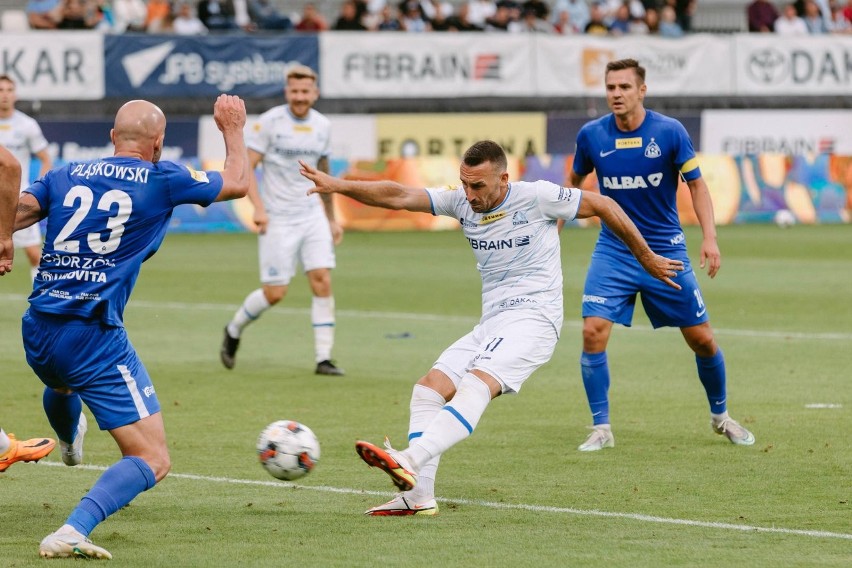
68, 542
733, 430
389, 460
72, 454
601, 437
401, 506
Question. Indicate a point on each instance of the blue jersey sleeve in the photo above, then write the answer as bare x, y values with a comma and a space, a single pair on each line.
684, 158
187, 185
582, 162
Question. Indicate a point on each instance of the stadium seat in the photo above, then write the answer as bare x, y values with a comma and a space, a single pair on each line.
14, 21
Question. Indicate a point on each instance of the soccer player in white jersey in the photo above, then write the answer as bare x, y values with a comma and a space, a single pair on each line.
639, 157
293, 227
511, 228
22, 136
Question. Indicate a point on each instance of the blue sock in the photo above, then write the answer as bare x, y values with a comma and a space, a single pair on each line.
117, 487
63, 413
596, 380
711, 371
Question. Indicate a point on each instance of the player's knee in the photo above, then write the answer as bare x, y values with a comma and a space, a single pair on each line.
274, 294
438, 382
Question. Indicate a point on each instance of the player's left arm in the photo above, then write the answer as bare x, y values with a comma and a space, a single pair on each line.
594, 204
702, 204
328, 204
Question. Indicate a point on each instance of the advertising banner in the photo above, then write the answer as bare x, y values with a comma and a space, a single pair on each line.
798, 65
449, 135
404, 65
698, 64
178, 66
54, 65
749, 132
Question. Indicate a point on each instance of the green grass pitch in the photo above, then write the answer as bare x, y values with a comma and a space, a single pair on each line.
517, 493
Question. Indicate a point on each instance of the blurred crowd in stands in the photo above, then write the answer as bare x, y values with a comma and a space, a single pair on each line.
665, 18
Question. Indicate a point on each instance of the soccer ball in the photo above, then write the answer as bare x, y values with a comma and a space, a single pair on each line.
288, 450
785, 218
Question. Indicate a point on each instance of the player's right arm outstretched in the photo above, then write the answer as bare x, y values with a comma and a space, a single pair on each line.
10, 184
229, 112
387, 194
611, 213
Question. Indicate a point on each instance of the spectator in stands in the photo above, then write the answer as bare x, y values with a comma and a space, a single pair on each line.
78, 15
129, 15
668, 23
847, 11
596, 25
501, 19
790, 23
460, 22
431, 8
531, 23
388, 20
186, 22
813, 19
578, 11
440, 22
348, 19
540, 7
684, 10
158, 18
44, 14
478, 11
217, 15
563, 24
311, 20
412, 18
266, 16
652, 18
839, 23
638, 25
620, 24
761, 16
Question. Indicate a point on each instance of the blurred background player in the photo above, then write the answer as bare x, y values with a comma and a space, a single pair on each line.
293, 227
639, 157
22, 135
112, 214
521, 303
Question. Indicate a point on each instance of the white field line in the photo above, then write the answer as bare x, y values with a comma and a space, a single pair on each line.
503, 506
230, 308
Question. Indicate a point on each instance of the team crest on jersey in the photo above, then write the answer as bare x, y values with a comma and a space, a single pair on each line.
465, 223
652, 150
486, 219
198, 176
302, 128
519, 218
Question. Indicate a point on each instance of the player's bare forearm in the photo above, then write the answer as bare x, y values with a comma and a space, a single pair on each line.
46, 162
10, 185
386, 194
327, 198
28, 212
229, 112
702, 204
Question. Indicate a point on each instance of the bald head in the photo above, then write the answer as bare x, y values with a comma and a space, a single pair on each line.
139, 129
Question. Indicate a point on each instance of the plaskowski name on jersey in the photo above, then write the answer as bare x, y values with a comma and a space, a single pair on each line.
114, 171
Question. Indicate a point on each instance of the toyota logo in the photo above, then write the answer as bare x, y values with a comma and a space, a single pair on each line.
767, 66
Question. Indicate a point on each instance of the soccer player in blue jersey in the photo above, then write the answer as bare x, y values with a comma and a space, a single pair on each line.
104, 219
639, 156
511, 228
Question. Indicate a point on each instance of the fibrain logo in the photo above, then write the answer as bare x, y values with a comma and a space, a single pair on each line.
767, 66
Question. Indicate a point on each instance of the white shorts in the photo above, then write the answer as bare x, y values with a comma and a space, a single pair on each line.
286, 244
29, 237
508, 346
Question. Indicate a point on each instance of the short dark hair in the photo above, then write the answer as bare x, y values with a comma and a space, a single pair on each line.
5, 77
620, 64
485, 151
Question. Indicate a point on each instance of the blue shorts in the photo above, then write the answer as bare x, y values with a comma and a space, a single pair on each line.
95, 361
613, 281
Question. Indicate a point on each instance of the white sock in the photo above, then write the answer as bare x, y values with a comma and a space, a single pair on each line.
4, 442
254, 305
719, 417
322, 318
33, 273
425, 405
453, 424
